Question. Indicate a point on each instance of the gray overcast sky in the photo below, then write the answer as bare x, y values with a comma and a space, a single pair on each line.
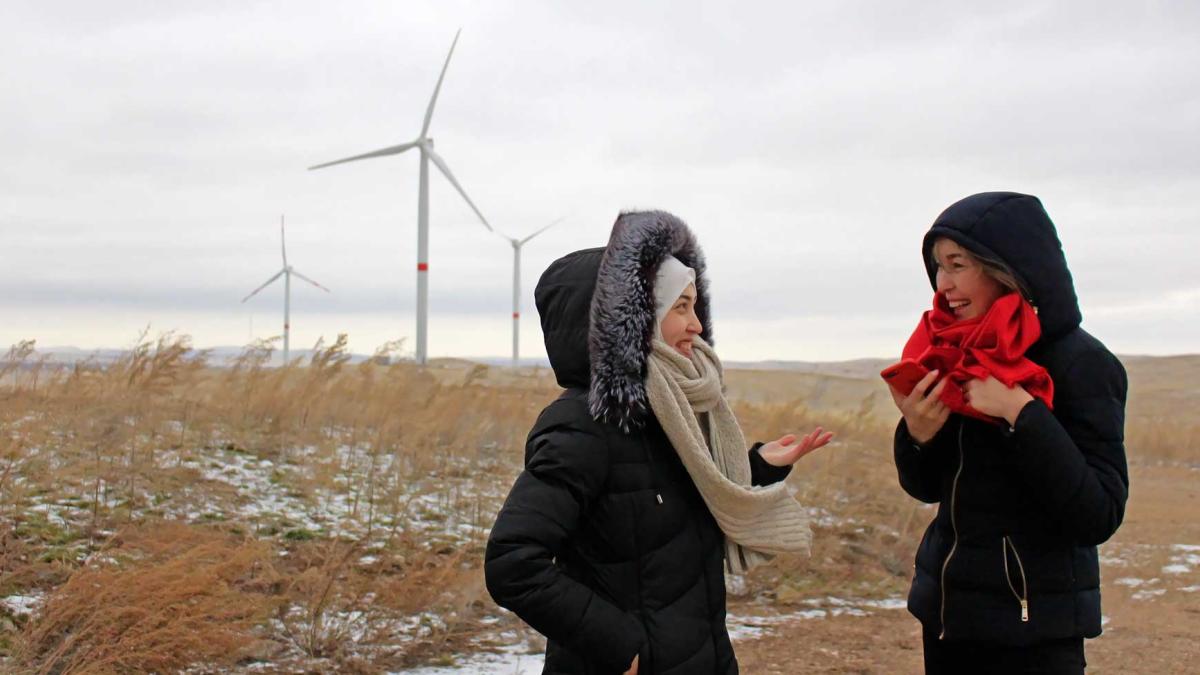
149, 148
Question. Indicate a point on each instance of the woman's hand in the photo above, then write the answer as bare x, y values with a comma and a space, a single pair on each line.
632, 667
992, 397
923, 410
783, 453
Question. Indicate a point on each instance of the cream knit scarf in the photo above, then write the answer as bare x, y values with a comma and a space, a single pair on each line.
758, 522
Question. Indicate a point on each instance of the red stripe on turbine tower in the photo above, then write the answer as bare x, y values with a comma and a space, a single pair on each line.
422, 267
516, 315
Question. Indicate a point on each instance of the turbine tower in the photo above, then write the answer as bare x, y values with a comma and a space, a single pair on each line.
287, 272
424, 144
516, 311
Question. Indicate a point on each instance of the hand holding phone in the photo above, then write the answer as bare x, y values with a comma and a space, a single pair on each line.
924, 413
904, 376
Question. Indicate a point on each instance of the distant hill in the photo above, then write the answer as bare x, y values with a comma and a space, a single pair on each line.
856, 368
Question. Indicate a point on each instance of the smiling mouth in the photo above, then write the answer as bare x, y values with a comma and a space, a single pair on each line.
957, 306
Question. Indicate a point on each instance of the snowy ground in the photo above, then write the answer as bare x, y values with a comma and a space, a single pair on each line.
522, 656
1178, 574
350, 493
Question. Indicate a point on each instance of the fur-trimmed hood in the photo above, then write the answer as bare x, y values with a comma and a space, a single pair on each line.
621, 325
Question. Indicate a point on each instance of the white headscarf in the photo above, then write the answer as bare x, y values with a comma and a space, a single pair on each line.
669, 283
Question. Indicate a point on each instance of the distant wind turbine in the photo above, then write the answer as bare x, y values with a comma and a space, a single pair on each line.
425, 144
516, 312
287, 272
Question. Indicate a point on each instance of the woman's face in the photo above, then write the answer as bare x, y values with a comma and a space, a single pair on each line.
681, 324
961, 278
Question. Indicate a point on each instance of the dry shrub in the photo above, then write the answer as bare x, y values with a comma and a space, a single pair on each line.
328, 603
163, 596
338, 608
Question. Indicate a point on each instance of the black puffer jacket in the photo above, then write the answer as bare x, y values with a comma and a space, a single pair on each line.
1011, 556
604, 544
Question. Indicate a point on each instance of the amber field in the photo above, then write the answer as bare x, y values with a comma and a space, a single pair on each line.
163, 513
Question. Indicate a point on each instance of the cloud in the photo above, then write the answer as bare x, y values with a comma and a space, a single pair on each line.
150, 148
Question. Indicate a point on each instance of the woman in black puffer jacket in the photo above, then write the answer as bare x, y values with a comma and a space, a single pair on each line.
1006, 577
606, 544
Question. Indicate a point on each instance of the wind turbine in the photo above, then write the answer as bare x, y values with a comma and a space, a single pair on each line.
516, 312
287, 272
425, 144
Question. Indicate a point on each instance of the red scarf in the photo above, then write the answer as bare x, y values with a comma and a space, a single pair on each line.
993, 344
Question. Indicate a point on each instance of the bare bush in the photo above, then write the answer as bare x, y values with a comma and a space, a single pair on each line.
161, 597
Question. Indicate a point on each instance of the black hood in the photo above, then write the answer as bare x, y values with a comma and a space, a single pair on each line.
623, 316
1015, 229
564, 298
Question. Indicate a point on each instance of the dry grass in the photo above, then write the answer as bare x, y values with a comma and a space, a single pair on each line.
373, 517
331, 515
158, 598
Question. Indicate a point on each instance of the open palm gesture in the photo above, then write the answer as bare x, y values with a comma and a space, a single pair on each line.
786, 450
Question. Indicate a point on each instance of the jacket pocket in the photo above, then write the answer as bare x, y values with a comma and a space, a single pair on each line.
1009, 550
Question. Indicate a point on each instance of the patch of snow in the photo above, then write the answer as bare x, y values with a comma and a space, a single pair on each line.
822, 517
1132, 582
751, 627
832, 601
747, 627
514, 660
1149, 593
1190, 589
329, 494
51, 511
1176, 569
889, 603
1190, 559
857, 603
22, 605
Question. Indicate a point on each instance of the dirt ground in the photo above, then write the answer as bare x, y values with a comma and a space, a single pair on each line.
1151, 589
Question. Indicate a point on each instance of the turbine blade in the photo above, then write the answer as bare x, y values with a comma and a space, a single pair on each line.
295, 273
282, 241
265, 284
522, 242
441, 164
394, 150
437, 88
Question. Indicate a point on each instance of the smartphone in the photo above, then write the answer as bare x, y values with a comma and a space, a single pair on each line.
904, 376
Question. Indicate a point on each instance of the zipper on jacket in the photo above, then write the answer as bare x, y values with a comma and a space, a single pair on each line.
637, 551
953, 526
653, 471
1023, 596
